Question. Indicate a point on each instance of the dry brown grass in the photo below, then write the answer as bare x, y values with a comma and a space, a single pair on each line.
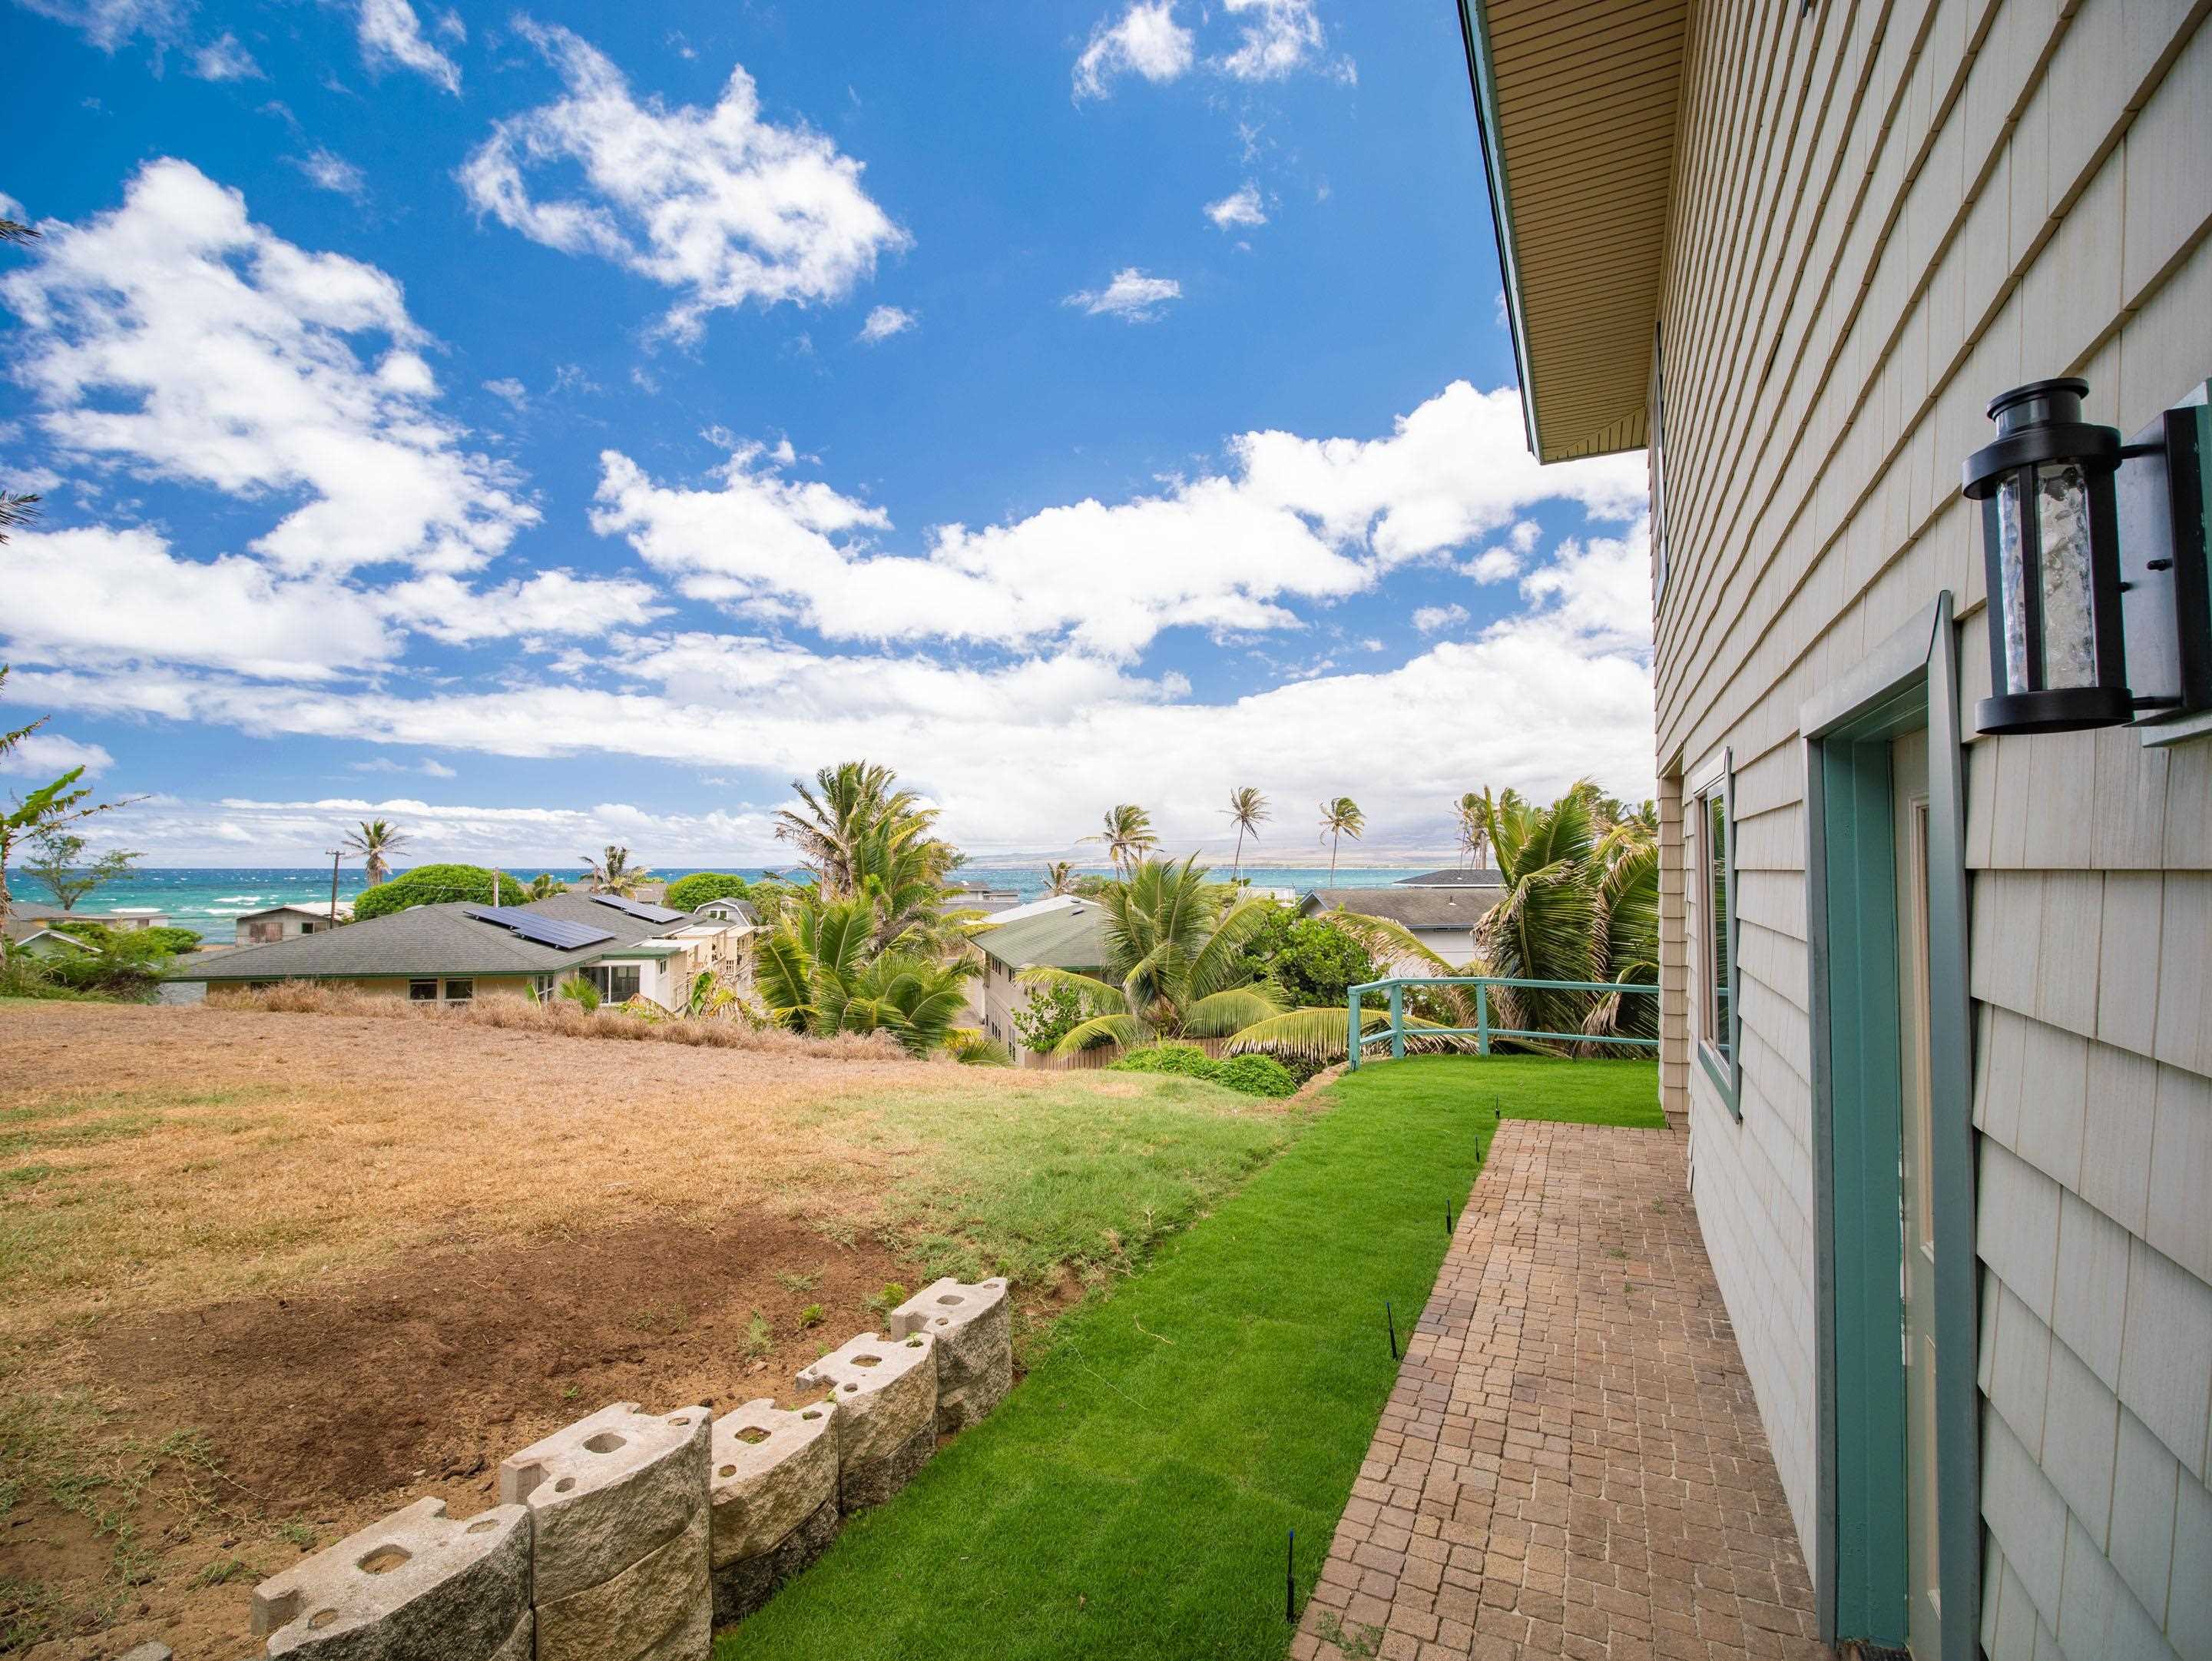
151, 1157
561, 1019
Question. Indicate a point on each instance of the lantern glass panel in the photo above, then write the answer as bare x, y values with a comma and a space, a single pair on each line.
2069, 638
2012, 557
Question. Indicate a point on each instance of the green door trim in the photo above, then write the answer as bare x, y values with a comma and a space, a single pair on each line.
1858, 1551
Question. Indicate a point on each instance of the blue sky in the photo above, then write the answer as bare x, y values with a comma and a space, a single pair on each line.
565, 424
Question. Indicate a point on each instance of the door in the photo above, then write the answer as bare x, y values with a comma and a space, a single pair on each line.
1917, 1214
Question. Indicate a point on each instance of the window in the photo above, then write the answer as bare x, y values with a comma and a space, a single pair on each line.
615, 982
1714, 879
541, 987
461, 991
422, 991
1711, 847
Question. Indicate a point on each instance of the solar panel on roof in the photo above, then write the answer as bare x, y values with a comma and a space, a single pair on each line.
641, 909
545, 931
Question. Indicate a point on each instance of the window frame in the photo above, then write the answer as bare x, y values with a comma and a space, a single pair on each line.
466, 995
415, 993
1720, 1053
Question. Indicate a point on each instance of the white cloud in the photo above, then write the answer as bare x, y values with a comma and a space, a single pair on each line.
1241, 207
1146, 40
1430, 619
1001, 669
885, 321
550, 603
1132, 296
327, 170
47, 756
1293, 519
93, 596
390, 33
1491, 565
223, 59
513, 390
719, 203
1556, 702
178, 339
429, 768
108, 23
1278, 37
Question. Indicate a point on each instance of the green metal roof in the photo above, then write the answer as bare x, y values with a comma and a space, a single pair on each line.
1071, 937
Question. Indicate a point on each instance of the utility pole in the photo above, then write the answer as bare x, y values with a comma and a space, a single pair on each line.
336, 853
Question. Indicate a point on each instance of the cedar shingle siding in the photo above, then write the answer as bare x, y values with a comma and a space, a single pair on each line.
1882, 214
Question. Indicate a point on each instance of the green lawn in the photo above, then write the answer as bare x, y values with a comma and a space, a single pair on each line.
1132, 1497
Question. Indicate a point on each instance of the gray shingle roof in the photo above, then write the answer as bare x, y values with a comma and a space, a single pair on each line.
1454, 878
428, 939
1412, 907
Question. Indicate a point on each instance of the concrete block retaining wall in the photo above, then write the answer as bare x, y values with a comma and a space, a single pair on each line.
630, 1535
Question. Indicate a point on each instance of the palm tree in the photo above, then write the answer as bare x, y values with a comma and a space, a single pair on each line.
1472, 839
816, 975
1247, 807
842, 806
1339, 818
1128, 835
376, 839
1577, 907
1175, 963
544, 885
613, 874
1060, 877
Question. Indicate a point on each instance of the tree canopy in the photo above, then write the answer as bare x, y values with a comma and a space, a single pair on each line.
436, 884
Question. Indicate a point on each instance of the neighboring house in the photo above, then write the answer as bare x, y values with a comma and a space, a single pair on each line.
38, 941
980, 897
1938, 998
26, 920
1439, 909
454, 953
1063, 932
23, 917
284, 922
728, 909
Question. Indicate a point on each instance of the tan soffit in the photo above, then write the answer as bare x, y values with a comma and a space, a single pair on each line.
1577, 102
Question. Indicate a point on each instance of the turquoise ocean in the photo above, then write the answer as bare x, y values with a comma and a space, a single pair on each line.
205, 899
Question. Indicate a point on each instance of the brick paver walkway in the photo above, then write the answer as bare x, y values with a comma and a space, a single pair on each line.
1571, 1463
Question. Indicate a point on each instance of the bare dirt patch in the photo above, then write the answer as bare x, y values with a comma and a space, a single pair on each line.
270, 1275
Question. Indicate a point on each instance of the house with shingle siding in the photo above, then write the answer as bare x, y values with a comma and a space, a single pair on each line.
1937, 997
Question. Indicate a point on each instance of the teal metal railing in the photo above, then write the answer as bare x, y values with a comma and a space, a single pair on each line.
1357, 1037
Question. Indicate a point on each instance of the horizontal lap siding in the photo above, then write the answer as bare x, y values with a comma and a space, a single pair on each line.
1884, 213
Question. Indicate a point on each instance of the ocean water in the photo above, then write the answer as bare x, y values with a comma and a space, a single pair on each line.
206, 898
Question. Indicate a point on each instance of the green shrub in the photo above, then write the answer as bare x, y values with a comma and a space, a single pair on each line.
1310, 960
1250, 1075
690, 893
436, 884
1186, 1061
1052, 1013
1256, 1075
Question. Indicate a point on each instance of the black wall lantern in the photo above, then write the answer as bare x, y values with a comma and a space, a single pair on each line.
2060, 656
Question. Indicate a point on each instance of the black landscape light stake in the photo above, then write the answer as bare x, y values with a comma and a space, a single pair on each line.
1448, 1216
1392, 1320
1291, 1581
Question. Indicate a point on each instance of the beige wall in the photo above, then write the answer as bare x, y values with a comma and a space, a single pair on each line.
1883, 215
